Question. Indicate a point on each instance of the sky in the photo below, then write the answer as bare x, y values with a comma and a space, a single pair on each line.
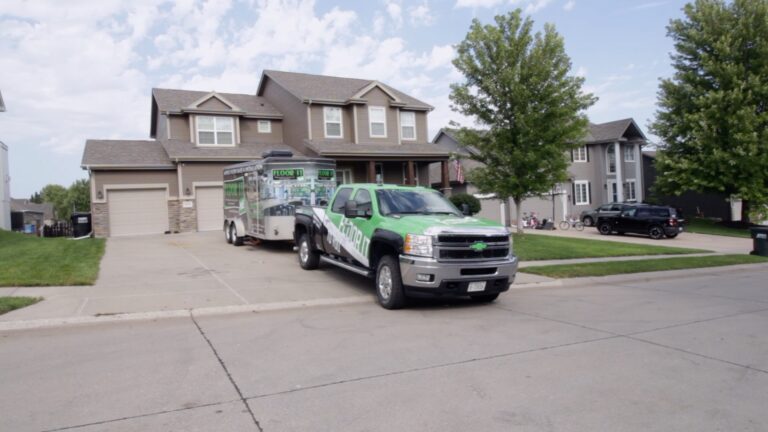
73, 70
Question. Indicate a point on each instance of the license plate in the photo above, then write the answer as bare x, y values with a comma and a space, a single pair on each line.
476, 286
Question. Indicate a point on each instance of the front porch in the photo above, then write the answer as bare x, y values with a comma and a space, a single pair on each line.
409, 172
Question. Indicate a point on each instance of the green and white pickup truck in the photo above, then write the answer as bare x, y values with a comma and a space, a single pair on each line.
412, 239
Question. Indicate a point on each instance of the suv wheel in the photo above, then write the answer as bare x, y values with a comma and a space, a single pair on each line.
655, 232
604, 228
588, 221
389, 284
308, 258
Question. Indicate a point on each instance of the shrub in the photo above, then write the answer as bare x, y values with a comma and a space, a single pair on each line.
470, 200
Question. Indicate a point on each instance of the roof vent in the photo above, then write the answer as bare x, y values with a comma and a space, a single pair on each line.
277, 153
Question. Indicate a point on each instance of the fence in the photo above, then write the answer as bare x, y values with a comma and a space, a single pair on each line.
58, 229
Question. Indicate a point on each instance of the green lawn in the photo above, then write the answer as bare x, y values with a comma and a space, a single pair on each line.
708, 226
532, 247
8, 304
641, 266
34, 261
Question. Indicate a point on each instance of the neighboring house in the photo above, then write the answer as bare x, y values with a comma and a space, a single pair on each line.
715, 205
25, 212
173, 182
5, 182
607, 168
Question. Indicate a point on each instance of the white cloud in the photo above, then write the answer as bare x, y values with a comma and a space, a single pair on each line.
478, 3
536, 5
569, 5
421, 15
395, 12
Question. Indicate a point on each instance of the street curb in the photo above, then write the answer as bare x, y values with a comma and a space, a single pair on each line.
179, 313
552, 283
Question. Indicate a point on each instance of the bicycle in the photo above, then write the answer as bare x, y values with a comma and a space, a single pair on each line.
571, 222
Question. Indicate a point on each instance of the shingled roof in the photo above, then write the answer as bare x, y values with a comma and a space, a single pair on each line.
330, 88
125, 154
186, 150
613, 131
336, 148
171, 100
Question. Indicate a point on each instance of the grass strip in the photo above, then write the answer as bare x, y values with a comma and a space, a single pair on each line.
536, 247
8, 304
708, 226
641, 266
35, 261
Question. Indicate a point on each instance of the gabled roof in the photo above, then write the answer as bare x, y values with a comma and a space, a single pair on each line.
614, 131
176, 101
333, 89
343, 149
27, 206
451, 133
178, 150
2, 104
125, 154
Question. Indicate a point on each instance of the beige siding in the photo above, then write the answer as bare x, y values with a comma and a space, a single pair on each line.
294, 124
422, 128
161, 127
249, 131
318, 123
179, 128
201, 172
214, 104
122, 178
376, 97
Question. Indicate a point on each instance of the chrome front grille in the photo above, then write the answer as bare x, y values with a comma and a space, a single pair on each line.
459, 247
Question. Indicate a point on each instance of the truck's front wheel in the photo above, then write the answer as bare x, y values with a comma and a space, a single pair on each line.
308, 258
389, 283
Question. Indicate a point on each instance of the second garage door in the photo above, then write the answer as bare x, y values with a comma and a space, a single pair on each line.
210, 208
136, 212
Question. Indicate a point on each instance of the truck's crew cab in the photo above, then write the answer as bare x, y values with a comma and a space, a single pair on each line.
412, 239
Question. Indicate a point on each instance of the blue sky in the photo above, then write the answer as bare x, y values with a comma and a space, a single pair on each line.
84, 69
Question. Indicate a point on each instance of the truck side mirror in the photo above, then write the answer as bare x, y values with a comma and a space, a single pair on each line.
350, 209
465, 209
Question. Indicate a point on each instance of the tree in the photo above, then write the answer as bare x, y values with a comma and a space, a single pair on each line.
36, 198
79, 195
517, 86
712, 115
57, 195
464, 198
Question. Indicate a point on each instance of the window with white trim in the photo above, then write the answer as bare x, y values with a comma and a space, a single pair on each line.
215, 130
630, 190
377, 119
610, 156
629, 153
344, 176
408, 125
265, 126
580, 154
581, 191
333, 124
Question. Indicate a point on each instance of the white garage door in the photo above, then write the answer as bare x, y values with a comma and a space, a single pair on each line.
136, 212
210, 208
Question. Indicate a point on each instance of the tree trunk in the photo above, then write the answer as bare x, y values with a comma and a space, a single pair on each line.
744, 211
519, 211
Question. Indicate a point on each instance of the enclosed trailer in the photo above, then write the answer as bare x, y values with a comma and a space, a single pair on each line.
260, 197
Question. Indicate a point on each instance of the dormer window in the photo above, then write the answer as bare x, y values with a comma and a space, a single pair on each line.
378, 121
215, 131
332, 119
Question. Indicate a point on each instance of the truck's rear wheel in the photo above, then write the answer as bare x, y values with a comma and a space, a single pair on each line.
309, 259
227, 233
484, 298
389, 283
237, 241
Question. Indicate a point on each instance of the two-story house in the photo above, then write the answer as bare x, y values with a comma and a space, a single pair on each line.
173, 181
607, 168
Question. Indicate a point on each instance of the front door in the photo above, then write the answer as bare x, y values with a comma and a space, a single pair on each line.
613, 191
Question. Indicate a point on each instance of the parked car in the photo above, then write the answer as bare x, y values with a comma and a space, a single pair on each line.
654, 221
589, 217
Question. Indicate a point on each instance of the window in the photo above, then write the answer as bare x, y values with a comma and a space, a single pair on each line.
613, 190
344, 176
341, 199
215, 130
580, 154
332, 119
265, 126
630, 190
581, 192
363, 200
610, 156
408, 125
629, 153
377, 117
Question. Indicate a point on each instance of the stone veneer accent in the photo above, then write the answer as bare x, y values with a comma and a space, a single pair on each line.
173, 216
100, 219
188, 217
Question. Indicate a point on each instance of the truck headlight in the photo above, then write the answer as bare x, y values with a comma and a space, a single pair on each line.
420, 245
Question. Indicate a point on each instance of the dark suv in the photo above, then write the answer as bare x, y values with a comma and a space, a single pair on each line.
654, 221
589, 217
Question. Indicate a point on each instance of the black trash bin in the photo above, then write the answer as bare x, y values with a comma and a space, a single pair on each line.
81, 225
760, 241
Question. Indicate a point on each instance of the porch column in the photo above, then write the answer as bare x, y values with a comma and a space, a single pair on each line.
619, 180
639, 180
371, 172
410, 179
446, 184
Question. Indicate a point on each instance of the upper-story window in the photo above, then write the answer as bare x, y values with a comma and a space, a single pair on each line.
377, 117
332, 120
215, 130
629, 153
610, 156
580, 154
408, 125
265, 126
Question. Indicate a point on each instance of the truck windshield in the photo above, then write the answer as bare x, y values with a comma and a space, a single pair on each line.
399, 201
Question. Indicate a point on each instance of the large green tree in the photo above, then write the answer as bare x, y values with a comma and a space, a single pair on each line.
712, 115
66, 200
519, 89
56, 195
79, 195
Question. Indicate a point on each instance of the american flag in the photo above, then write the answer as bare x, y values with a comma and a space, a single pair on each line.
459, 171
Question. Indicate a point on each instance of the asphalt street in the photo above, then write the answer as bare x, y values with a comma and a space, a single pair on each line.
682, 354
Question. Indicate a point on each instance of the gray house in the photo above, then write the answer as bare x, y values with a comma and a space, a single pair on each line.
607, 168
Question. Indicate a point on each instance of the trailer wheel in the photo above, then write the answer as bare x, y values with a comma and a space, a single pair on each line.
309, 259
237, 241
227, 234
389, 283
